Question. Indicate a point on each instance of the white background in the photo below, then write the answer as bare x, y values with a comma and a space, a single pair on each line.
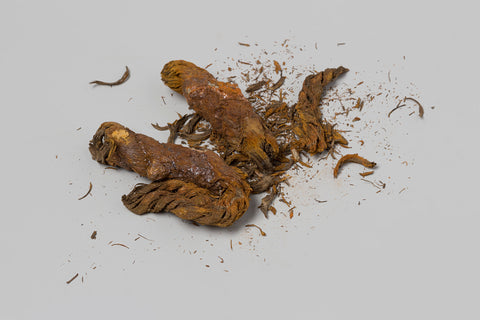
409, 255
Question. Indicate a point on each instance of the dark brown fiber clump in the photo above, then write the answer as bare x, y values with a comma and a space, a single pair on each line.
194, 185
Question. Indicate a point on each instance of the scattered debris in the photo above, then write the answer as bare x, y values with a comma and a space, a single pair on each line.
379, 185
256, 86
399, 105
359, 104
291, 212
74, 277
278, 68
364, 174
278, 84
123, 79
420, 108
352, 158
243, 62
141, 236
267, 201
119, 244
88, 192
260, 229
